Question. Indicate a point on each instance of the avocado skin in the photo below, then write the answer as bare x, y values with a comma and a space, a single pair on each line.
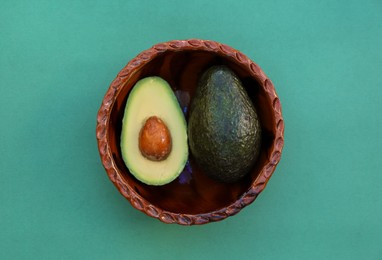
224, 129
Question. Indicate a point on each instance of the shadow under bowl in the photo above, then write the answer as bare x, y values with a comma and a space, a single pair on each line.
193, 198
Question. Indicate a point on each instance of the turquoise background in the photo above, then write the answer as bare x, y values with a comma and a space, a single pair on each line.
57, 59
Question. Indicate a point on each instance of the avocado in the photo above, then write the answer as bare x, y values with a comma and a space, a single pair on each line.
223, 128
154, 133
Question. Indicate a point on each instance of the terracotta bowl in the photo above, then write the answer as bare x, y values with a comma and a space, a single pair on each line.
193, 198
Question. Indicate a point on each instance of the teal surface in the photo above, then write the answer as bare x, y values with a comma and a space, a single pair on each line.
57, 59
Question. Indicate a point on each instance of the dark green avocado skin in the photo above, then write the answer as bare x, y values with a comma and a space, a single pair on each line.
224, 129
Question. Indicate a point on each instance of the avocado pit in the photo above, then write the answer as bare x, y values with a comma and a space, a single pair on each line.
155, 139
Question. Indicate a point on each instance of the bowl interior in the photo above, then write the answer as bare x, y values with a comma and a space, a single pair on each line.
192, 192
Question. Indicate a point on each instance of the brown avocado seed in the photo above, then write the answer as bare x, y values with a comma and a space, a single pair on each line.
155, 139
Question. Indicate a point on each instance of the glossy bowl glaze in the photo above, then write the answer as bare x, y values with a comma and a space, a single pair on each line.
193, 198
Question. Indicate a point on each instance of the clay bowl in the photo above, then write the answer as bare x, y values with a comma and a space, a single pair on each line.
193, 198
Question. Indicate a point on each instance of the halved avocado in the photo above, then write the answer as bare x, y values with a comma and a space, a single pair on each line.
152, 97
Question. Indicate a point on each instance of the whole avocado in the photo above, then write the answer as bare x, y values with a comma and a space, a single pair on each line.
223, 128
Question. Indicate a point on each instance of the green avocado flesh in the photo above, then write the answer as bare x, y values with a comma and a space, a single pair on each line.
223, 128
152, 96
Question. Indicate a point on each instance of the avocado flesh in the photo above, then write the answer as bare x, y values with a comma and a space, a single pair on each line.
223, 128
152, 96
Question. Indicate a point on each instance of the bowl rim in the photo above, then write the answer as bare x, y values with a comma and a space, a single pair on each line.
136, 200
